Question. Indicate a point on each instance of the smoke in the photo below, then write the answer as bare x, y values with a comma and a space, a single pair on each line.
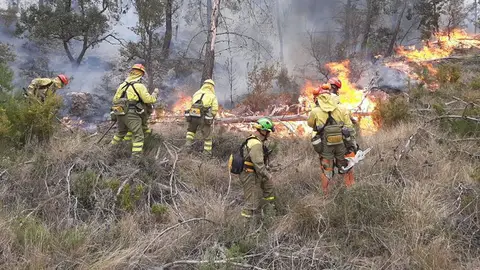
254, 40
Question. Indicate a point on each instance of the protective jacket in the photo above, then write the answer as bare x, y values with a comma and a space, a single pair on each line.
319, 115
143, 95
255, 157
41, 87
209, 99
255, 179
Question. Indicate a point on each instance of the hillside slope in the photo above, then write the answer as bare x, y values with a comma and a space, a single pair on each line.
70, 203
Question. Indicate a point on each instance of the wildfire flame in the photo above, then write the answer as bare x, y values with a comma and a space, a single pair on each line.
443, 45
182, 103
354, 99
359, 101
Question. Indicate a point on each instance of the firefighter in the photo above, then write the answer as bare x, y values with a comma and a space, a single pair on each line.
335, 85
43, 87
129, 106
334, 138
200, 116
255, 179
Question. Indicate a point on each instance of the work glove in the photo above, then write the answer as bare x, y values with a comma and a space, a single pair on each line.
354, 148
155, 92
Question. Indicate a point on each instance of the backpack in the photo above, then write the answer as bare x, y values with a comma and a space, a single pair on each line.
197, 108
121, 106
237, 159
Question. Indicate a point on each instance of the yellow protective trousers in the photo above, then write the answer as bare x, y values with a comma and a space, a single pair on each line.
130, 122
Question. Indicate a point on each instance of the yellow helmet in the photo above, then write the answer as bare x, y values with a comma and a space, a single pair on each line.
210, 81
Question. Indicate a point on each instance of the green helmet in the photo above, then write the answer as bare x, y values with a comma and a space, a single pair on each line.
265, 124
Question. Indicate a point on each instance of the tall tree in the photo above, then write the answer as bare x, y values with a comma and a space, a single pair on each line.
398, 24
168, 28
151, 17
209, 61
429, 12
86, 24
373, 12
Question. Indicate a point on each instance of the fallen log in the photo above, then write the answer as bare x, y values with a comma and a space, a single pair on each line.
242, 119
284, 118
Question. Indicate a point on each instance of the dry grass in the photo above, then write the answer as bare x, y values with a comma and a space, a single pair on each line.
417, 211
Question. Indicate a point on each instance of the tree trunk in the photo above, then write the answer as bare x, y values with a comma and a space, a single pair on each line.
280, 32
347, 29
397, 30
168, 29
209, 61
149, 68
368, 24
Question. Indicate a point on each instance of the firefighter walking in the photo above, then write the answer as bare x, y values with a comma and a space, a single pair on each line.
200, 116
41, 88
334, 138
129, 106
255, 179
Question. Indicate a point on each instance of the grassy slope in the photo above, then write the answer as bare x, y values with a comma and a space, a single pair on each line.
417, 212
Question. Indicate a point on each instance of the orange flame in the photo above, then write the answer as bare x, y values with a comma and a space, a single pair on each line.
443, 45
182, 103
354, 99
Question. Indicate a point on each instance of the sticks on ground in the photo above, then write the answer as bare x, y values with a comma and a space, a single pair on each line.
243, 265
171, 228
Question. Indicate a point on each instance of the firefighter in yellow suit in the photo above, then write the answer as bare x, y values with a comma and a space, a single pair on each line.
43, 87
335, 138
137, 97
200, 116
256, 180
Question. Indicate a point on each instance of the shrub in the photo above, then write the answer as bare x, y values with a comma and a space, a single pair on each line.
463, 127
260, 83
83, 188
391, 112
475, 83
27, 120
448, 73
160, 212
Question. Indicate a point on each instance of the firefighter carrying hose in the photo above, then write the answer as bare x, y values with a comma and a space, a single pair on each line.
200, 116
43, 87
129, 106
334, 138
255, 179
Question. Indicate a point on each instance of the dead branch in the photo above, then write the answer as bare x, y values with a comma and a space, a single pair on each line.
125, 182
465, 102
243, 265
454, 117
67, 179
450, 140
171, 228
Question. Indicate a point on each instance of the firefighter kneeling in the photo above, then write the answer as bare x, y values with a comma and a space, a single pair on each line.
334, 138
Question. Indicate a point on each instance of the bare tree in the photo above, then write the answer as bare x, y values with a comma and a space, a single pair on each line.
397, 29
232, 78
210, 50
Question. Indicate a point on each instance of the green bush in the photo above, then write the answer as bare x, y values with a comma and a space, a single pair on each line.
475, 83
392, 111
31, 233
27, 120
463, 127
448, 73
83, 188
160, 212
